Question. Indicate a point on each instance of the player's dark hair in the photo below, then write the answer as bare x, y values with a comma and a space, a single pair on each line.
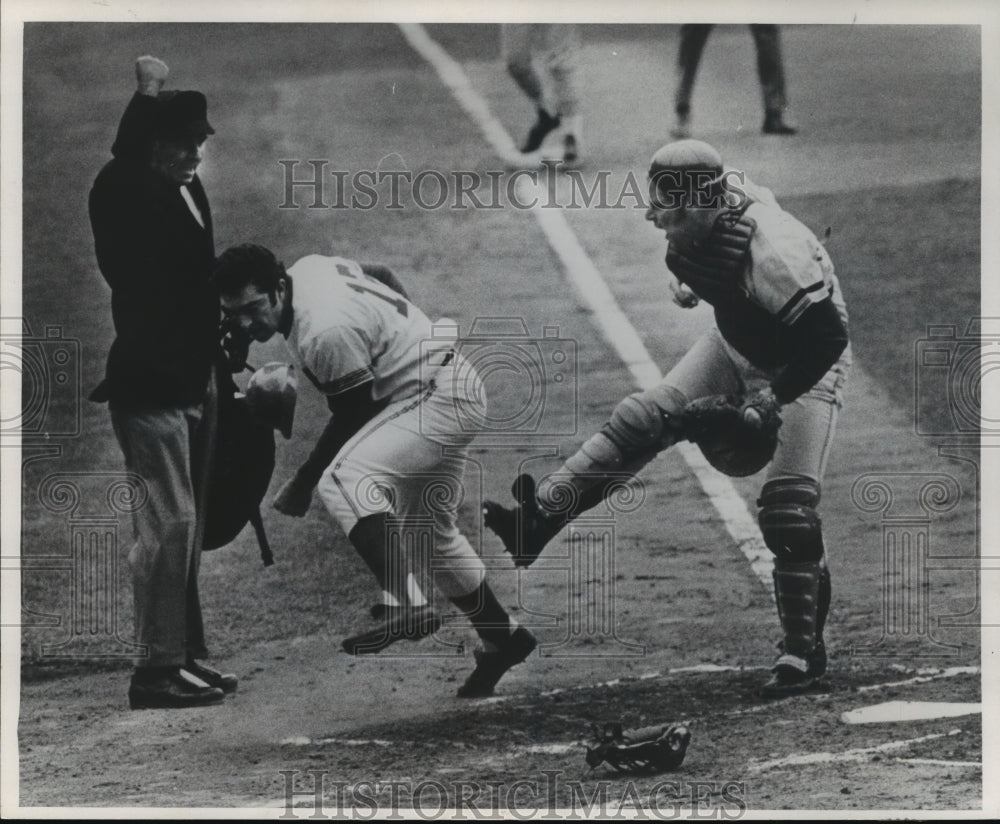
246, 264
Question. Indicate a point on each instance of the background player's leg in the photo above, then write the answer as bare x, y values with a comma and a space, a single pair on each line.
771, 70
519, 43
563, 64
693, 39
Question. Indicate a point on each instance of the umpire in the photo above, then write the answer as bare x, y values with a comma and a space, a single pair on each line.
153, 238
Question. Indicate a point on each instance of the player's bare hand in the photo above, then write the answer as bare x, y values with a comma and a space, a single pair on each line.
294, 497
150, 74
680, 293
760, 405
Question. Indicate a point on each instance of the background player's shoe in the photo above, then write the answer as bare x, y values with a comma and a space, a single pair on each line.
491, 666
400, 625
524, 529
571, 149
543, 125
794, 675
776, 123
682, 127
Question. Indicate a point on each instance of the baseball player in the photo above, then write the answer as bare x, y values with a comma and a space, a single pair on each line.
770, 70
394, 452
779, 339
543, 59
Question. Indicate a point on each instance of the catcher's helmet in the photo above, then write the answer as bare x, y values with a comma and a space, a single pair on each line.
271, 394
680, 170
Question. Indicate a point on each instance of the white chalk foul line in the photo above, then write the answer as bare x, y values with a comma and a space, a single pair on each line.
701, 669
453, 76
861, 754
612, 322
951, 672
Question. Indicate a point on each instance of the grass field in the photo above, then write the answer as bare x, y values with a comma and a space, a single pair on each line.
888, 159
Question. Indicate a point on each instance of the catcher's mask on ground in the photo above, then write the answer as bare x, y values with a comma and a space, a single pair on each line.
271, 394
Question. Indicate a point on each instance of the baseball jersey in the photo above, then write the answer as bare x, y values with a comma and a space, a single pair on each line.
787, 270
348, 329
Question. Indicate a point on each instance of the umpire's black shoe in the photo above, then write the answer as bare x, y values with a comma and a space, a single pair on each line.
525, 529
794, 675
225, 681
491, 666
545, 124
171, 688
408, 624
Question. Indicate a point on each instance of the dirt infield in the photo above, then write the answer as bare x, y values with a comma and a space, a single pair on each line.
682, 631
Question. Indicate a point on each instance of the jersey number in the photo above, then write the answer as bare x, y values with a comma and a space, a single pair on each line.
400, 303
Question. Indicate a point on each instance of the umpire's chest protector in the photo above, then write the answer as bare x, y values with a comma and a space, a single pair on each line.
242, 466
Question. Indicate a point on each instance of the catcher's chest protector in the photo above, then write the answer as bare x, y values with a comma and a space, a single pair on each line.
712, 268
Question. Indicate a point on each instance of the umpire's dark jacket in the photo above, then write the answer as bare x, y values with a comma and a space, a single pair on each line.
157, 260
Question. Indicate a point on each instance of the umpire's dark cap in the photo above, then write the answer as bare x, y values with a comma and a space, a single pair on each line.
182, 114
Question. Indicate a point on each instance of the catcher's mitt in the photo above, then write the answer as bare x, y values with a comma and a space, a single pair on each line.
650, 749
737, 436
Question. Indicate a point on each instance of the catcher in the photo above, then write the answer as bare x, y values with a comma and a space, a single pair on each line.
779, 345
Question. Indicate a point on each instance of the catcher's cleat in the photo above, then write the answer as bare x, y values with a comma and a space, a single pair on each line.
491, 666
174, 688
545, 124
225, 681
525, 529
794, 675
384, 612
402, 625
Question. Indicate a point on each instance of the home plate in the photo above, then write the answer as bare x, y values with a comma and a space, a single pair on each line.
909, 711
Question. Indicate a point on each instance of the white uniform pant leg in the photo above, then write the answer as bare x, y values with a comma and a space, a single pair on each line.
808, 425
409, 462
707, 368
562, 60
